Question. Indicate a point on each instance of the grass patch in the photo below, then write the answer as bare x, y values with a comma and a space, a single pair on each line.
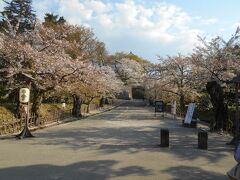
204, 115
47, 110
6, 112
51, 111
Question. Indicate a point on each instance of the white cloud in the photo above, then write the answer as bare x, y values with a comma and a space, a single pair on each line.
158, 36
98, 6
75, 11
116, 23
104, 20
44, 6
126, 13
187, 39
210, 21
161, 23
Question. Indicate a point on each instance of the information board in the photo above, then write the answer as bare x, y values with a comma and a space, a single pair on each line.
174, 107
159, 106
189, 115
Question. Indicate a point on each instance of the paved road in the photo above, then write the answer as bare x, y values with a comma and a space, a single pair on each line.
120, 144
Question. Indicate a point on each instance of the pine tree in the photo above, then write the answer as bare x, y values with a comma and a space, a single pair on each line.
51, 20
61, 20
20, 15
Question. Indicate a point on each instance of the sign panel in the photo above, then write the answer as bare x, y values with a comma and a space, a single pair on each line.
189, 115
174, 108
24, 95
159, 106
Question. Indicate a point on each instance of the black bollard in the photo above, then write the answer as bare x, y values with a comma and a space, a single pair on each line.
164, 135
203, 140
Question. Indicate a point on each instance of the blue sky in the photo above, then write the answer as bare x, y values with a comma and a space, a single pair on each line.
148, 27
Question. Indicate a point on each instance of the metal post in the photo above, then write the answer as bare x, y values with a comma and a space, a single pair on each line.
164, 138
203, 140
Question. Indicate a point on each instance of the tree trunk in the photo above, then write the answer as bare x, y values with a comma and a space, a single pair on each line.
182, 104
216, 93
37, 102
17, 113
15, 100
88, 108
102, 100
77, 104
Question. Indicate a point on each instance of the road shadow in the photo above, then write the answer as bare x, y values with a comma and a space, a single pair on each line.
192, 173
115, 135
107, 115
107, 140
131, 140
86, 170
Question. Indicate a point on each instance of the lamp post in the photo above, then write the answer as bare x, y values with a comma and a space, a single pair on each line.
24, 98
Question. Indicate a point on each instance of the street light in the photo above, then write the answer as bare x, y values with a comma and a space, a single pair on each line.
24, 98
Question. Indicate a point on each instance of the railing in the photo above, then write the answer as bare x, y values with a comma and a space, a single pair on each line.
9, 124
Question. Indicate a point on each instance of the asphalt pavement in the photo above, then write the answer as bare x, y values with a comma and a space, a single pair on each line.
121, 144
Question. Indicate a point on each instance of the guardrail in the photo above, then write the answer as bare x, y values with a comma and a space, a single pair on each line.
10, 124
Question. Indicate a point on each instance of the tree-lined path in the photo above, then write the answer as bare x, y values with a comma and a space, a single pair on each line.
119, 144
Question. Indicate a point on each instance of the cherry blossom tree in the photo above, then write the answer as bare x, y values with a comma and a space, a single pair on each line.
38, 56
47, 57
129, 70
171, 78
216, 62
91, 82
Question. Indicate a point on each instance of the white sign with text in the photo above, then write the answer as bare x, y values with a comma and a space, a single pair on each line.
24, 95
189, 115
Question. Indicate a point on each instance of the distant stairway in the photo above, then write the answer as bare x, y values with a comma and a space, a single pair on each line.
135, 103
